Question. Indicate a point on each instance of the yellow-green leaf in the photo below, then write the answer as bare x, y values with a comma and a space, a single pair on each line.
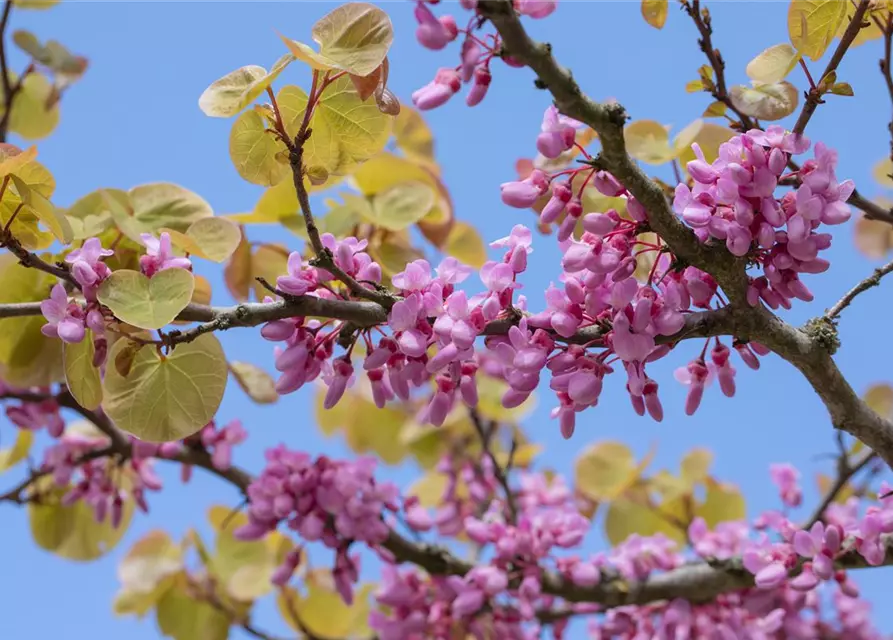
722, 503
355, 38
72, 532
401, 206
30, 117
253, 150
244, 568
237, 272
812, 24
414, 138
45, 211
655, 12
714, 110
81, 376
11, 456
147, 303
465, 244
27, 357
490, 393
695, 465
773, 64
880, 398
255, 382
605, 470
151, 560
346, 130
766, 101
166, 398
269, 261
165, 205
709, 137
182, 617
36, 5
213, 239
89, 216
882, 171
629, 515
648, 141
236, 90
322, 610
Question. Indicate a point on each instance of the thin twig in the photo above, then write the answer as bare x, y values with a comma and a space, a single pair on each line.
719, 91
4, 71
485, 437
871, 281
846, 470
814, 95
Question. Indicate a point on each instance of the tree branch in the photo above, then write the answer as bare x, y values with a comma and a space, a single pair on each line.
28, 259
845, 472
608, 121
486, 436
8, 93
720, 92
814, 95
871, 281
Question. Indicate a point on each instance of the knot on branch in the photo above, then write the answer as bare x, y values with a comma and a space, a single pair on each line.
616, 114
823, 332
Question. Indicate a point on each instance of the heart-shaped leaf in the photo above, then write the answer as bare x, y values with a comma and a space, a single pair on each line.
147, 303
81, 376
167, 397
355, 38
213, 239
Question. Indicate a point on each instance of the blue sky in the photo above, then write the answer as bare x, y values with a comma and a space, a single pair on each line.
134, 119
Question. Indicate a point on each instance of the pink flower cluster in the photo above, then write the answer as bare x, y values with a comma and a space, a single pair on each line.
733, 200
69, 320
335, 502
101, 483
33, 416
476, 54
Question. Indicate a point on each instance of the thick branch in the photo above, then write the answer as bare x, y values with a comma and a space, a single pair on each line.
814, 95
608, 122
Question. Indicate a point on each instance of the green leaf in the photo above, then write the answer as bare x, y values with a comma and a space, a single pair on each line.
655, 12
236, 90
244, 568
36, 5
166, 398
255, 382
213, 239
812, 24
90, 215
465, 244
182, 617
773, 64
695, 466
165, 205
766, 101
632, 514
879, 397
13, 455
44, 210
323, 611
355, 38
648, 141
81, 376
147, 303
72, 532
605, 470
30, 116
722, 503
27, 357
841, 89
52, 55
401, 206
346, 130
152, 558
253, 150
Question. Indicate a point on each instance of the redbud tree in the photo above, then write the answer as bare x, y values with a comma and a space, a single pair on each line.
420, 349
